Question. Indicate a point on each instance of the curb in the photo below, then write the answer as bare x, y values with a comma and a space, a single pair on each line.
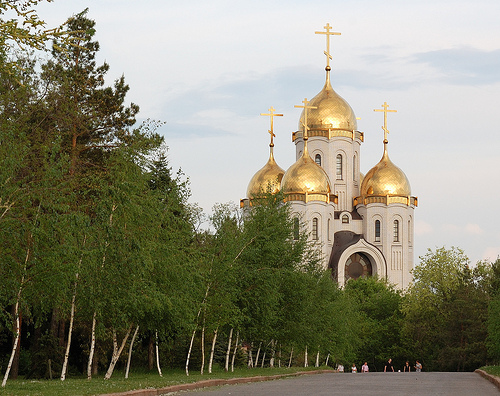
489, 377
209, 383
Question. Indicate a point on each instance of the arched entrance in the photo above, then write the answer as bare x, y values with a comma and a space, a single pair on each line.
356, 266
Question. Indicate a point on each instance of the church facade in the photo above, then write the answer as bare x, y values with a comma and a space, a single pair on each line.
363, 224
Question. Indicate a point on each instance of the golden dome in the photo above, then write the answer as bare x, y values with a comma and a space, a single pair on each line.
305, 176
385, 179
267, 179
331, 112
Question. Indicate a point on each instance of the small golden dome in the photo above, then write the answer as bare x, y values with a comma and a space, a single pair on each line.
266, 180
385, 179
331, 112
305, 176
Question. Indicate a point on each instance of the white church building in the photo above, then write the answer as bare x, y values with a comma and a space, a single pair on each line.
364, 224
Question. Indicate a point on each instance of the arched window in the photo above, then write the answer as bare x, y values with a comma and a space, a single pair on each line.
409, 231
315, 233
345, 219
354, 172
296, 229
317, 159
377, 230
339, 167
396, 231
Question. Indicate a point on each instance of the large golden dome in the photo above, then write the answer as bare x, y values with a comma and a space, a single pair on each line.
266, 180
385, 179
331, 112
306, 177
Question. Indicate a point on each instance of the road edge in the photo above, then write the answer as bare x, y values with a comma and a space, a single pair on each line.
495, 380
211, 382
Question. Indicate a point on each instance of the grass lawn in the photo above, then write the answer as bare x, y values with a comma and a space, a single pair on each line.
137, 380
493, 370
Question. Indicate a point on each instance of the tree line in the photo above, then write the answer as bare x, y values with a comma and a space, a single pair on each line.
104, 263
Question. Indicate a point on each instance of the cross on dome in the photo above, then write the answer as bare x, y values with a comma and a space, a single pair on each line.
328, 34
305, 107
385, 110
271, 114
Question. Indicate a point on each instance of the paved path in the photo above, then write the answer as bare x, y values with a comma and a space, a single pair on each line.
373, 384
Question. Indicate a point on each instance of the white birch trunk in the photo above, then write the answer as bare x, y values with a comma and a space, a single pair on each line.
92, 348
189, 352
202, 349
257, 357
317, 360
70, 331
250, 357
279, 357
228, 352
194, 331
72, 316
290, 361
158, 355
17, 340
92, 340
235, 350
212, 351
327, 358
305, 358
273, 352
18, 333
127, 370
263, 359
116, 352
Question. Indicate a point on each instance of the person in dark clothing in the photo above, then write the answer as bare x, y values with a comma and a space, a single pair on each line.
388, 366
407, 367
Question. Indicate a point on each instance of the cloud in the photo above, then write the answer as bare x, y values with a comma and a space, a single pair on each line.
423, 228
469, 228
491, 253
464, 65
474, 229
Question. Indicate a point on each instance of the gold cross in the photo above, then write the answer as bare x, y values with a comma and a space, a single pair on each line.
272, 114
328, 34
305, 107
385, 110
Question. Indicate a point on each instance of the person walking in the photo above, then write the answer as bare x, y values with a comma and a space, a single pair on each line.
364, 368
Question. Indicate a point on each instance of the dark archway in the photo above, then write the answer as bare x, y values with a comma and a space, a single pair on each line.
357, 265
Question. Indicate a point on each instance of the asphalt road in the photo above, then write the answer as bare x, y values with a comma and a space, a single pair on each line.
347, 384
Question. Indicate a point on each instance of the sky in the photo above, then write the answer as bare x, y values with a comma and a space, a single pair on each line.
207, 69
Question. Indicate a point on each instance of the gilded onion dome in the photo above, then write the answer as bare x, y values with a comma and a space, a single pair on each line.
305, 180
305, 176
385, 179
267, 179
331, 112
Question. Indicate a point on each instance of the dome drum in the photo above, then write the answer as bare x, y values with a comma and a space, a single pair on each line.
308, 197
386, 200
329, 134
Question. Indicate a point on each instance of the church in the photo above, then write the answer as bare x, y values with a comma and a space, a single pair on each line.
363, 224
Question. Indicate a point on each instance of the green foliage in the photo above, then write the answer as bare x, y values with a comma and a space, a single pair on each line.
446, 311
90, 209
493, 322
22, 29
381, 319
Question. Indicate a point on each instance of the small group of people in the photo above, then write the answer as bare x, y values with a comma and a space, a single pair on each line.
387, 368
354, 369
406, 368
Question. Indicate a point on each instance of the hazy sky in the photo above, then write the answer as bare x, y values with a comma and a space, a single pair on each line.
209, 68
